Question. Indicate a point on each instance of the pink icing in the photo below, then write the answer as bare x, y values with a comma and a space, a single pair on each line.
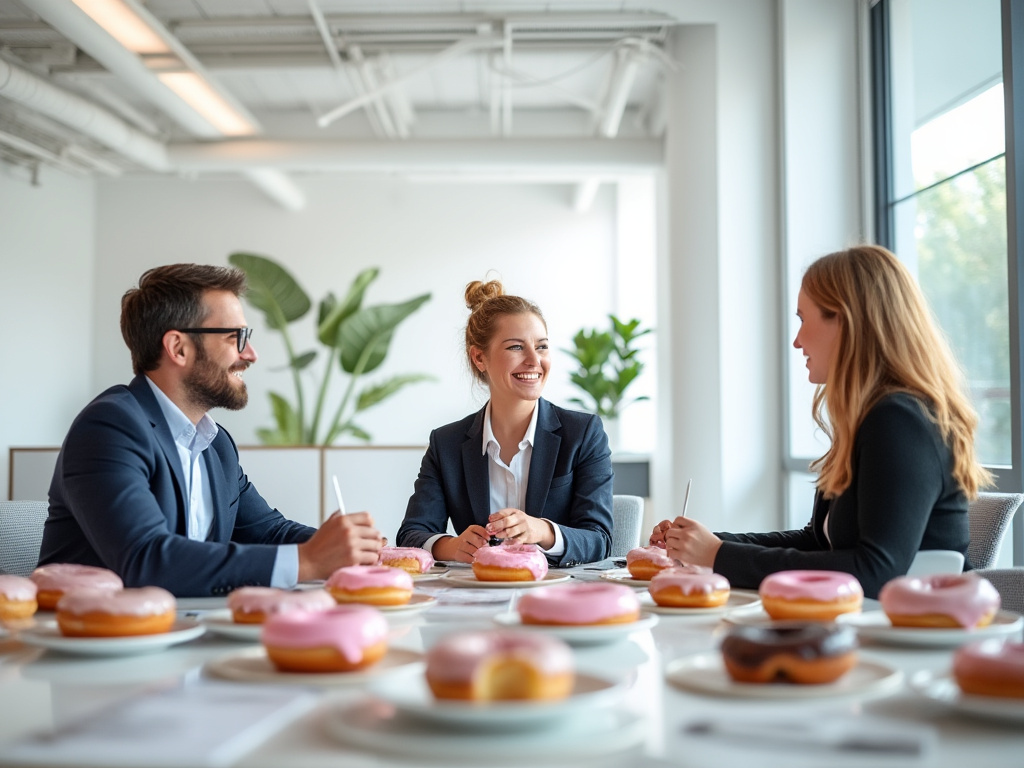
655, 555
146, 601
421, 556
689, 582
355, 577
458, 657
579, 603
346, 628
993, 658
60, 577
966, 597
526, 556
819, 586
267, 600
17, 588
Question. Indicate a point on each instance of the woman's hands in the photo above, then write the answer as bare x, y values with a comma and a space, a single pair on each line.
517, 525
461, 547
687, 541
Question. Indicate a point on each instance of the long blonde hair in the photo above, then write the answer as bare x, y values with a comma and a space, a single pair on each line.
887, 342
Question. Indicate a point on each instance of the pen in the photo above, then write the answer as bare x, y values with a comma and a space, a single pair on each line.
337, 494
686, 498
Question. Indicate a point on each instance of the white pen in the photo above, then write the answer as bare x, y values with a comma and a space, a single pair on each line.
686, 498
337, 494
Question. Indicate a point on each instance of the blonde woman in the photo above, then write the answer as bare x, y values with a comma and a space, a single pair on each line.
520, 468
901, 466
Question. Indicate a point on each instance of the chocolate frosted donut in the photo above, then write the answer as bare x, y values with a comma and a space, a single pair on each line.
796, 652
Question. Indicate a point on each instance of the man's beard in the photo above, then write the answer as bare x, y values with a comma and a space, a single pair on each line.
208, 387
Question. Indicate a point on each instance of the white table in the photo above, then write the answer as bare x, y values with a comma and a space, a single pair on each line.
45, 690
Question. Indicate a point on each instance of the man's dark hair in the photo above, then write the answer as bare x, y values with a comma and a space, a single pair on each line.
167, 298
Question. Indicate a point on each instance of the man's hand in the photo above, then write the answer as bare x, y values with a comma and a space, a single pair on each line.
342, 540
462, 547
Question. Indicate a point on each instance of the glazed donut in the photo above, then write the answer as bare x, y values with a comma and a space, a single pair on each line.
643, 562
126, 612
252, 605
810, 595
57, 578
500, 665
17, 598
411, 559
578, 604
808, 653
510, 562
942, 600
691, 586
340, 639
370, 584
991, 667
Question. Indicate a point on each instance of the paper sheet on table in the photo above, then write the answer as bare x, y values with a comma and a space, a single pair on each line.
469, 601
207, 724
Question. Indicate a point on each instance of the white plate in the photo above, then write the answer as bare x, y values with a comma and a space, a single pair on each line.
433, 573
468, 579
221, 623
941, 687
47, 635
623, 576
591, 634
875, 625
739, 600
252, 666
705, 673
418, 602
411, 695
377, 726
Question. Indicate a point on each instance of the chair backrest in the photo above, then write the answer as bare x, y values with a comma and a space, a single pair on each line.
627, 518
929, 562
21, 531
990, 515
1009, 582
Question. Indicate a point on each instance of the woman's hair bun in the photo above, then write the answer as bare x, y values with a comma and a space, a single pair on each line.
478, 292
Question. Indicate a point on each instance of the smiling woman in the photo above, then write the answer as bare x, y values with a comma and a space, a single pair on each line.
521, 468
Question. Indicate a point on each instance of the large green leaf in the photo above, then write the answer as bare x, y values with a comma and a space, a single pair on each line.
327, 330
385, 389
288, 424
366, 334
272, 289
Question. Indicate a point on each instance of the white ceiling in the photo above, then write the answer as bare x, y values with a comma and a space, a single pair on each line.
473, 76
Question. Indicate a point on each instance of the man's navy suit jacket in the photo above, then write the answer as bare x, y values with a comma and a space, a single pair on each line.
117, 501
570, 482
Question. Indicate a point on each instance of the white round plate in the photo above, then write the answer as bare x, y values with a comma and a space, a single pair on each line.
252, 666
705, 673
875, 625
942, 688
47, 635
377, 726
411, 695
433, 573
468, 579
591, 634
221, 623
418, 602
739, 600
623, 576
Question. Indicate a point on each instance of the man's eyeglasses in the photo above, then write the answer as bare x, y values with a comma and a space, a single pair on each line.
241, 334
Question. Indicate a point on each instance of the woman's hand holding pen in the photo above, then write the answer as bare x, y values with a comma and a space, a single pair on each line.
514, 524
688, 541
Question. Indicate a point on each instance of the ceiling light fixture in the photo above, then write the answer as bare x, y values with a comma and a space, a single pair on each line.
124, 25
199, 95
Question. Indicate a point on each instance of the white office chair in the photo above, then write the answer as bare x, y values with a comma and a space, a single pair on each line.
1009, 582
929, 562
627, 518
990, 516
21, 531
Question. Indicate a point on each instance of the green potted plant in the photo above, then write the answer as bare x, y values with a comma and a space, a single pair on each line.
355, 339
607, 363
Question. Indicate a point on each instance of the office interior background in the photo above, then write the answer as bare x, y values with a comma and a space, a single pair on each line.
678, 161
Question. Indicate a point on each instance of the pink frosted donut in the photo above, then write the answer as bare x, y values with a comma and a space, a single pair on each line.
370, 584
510, 562
106, 613
689, 587
575, 604
341, 639
644, 562
810, 595
17, 597
942, 600
990, 668
500, 665
57, 578
252, 605
411, 559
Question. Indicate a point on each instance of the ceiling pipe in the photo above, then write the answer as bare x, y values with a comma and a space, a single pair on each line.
276, 185
32, 91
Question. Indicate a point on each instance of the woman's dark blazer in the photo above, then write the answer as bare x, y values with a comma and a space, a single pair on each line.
570, 482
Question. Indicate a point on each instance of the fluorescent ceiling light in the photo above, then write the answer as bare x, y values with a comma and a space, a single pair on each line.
198, 94
124, 25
